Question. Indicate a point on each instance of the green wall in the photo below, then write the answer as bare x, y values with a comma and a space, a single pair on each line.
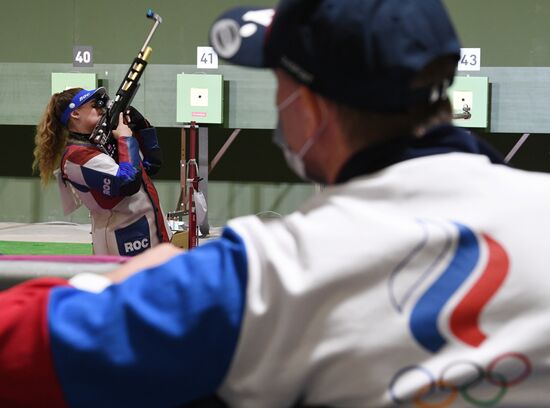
510, 32
45, 31
24, 200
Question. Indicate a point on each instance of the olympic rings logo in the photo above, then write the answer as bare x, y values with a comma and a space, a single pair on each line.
466, 379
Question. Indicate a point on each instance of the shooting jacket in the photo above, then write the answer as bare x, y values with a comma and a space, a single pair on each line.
124, 205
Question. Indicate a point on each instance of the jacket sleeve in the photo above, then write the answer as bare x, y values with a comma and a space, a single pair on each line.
27, 374
90, 170
163, 337
150, 148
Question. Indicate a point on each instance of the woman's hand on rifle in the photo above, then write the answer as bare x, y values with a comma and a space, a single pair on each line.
122, 129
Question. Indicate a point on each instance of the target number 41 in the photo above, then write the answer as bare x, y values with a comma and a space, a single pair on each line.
207, 58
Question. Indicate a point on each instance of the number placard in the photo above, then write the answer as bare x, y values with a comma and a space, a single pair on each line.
470, 59
207, 58
83, 56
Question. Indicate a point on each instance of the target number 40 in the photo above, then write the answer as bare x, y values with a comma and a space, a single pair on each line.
83, 56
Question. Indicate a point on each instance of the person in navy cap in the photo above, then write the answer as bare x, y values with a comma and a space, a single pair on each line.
127, 218
411, 280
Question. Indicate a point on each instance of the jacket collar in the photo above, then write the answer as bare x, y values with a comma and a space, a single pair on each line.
438, 140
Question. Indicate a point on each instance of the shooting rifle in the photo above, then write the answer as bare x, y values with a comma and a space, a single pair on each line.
102, 133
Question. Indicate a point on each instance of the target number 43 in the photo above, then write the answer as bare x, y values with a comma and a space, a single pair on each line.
470, 59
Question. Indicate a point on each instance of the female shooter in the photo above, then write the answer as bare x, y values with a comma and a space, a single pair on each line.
125, 210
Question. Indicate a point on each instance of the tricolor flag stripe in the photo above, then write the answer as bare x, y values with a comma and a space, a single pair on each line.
464, 320
425, 315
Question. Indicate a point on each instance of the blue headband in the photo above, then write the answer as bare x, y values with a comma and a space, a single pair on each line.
78, 100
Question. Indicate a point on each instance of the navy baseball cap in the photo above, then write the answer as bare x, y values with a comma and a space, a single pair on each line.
80, 99
361, 53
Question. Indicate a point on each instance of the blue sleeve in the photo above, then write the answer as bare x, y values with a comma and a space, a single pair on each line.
149, 146
148, 140
125, 182
88, 169
163, 337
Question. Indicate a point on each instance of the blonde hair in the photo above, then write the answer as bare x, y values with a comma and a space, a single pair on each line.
51, 135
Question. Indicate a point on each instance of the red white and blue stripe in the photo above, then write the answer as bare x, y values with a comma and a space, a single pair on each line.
172, 329
425, 316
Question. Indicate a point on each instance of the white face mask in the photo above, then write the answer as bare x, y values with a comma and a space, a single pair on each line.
294, 160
